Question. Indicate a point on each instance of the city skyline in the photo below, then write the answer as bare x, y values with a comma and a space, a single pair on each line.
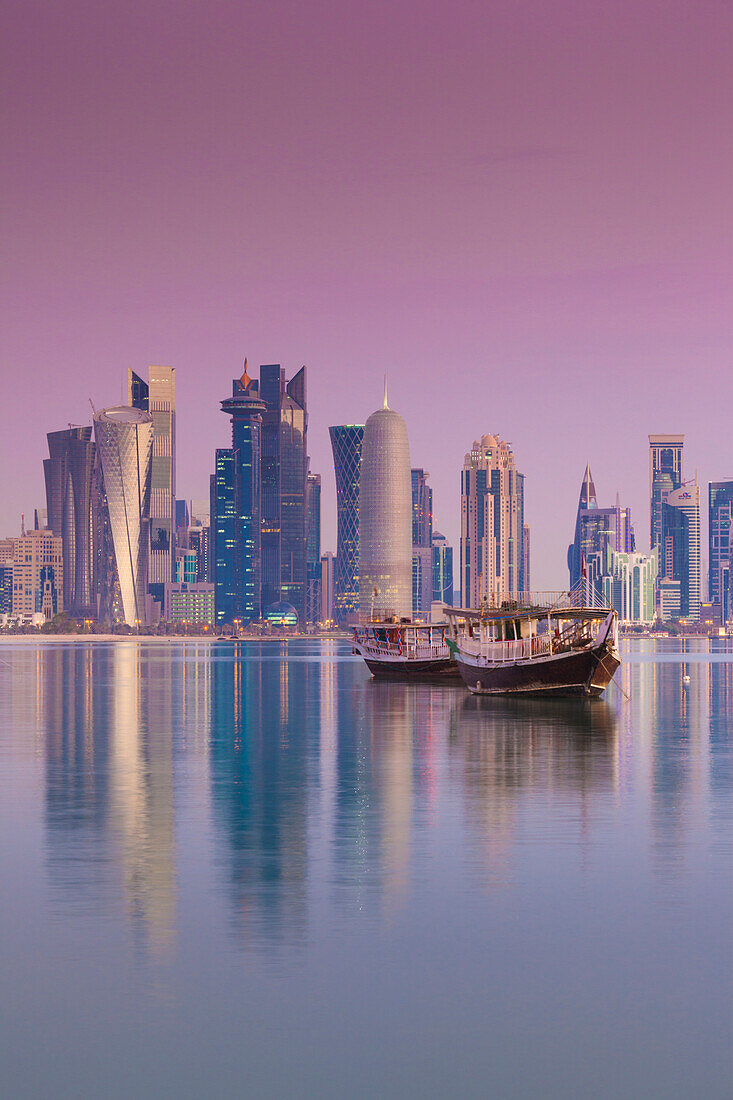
521, 214
329, 505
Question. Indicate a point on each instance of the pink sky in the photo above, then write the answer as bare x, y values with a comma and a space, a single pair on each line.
522, 211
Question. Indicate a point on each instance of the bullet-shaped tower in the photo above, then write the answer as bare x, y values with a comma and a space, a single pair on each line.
385, 517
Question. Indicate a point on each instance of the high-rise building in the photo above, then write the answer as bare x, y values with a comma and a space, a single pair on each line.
158, 397
720, 521
69, 473
183, 522
385, 517
124, 438
313, 549
422, 551
665, 475
626, 581
597, 528
199, 541
346, 444
236, 508
442, 569
36, 574
681, 546
284, 478
328, 588
492, 524
526, 573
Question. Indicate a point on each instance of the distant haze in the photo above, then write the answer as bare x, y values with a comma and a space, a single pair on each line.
522, 211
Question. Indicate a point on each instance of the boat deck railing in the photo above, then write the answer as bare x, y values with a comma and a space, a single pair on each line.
407, 652
573, 636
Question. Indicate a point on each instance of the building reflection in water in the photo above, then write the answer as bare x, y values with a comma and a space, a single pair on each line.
322, 786
109, 777
263, 760
564, 749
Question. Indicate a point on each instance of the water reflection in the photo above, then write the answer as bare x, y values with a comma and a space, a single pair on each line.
264, 716
323, 790
109, 777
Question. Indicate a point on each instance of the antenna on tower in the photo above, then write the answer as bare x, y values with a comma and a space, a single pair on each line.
384, 403
22, 524
94, 411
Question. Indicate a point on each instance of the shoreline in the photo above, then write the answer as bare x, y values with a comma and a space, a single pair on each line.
163, 639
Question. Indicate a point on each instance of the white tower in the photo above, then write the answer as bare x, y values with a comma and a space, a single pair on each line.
385, 517
124, 438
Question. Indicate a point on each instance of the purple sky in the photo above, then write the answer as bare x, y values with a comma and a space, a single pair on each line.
522, 211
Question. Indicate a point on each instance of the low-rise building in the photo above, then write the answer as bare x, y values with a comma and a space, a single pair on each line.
190, 604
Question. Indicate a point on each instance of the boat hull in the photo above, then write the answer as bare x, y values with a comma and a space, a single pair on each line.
585, 672
438, 669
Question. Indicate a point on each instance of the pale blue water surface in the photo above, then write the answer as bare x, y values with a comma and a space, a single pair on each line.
254, 871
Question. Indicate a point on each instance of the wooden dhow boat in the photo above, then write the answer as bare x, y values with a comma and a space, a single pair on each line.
554, 644
402, 650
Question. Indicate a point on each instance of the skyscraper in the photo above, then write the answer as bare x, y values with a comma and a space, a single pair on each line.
681, 547
597, 528
69, 475
158, 397
313, 549
236, 508
526, 574
327, 588
422, 537
346, 444
124, 438
492, 524
665, 475
442, 569
626, 581
284, 477
385, 517
720, 521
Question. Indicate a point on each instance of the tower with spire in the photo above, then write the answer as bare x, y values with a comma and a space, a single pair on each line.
596, 530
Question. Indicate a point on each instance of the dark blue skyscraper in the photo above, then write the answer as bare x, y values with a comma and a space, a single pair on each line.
720, 520
665, 475
313, 549
346, 441
236, 508
422, 539
284, 491
70, 501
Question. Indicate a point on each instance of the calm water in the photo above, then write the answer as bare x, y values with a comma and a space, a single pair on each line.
260, 873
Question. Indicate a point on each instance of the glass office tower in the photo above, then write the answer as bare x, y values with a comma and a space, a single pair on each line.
236, 502
313, 549
69, 477
442, 569
346, 444
680, 559
284, 487
158, 397
720, 520
124, 438
422, 537
665, 475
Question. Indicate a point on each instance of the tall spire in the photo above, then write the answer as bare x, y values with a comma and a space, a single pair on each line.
588, 491
384, 403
